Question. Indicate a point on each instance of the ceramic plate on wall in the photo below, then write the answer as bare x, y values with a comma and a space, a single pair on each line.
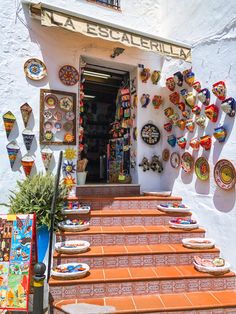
166, 154
175, 160
202, 169
66, 103
68, 75
225, 174
35, 69
51, 101
187, 162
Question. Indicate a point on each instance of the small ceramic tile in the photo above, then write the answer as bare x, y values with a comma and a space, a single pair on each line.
113, 289
166, 286
99, 290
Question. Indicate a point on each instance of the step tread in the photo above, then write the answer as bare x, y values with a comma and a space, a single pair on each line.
162, 302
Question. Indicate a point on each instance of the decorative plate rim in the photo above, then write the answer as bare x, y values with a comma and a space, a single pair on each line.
181, 158
208, 167
77, 73
44, 72
179, 162
157, 129
233, 182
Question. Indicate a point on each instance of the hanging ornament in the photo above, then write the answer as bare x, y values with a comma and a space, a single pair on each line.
69, 182
212, 112
184, 93
68, 137
196, 110
190, 125
9, 119
12, 150
68, 167
165, 154
25, 112
135, 101
168, 112
181, 106
28, 137
70, 153
170, 83
175, 160
168, 126
46, 154
187, 162
27, 163
225, 174
145, 100
190, 100
189, 78
181, 142
220, 134
219, 90
195, 143
228, 106
171, 140
202, 169
186, 114
201, 120
181, 124
174, 118
145, 75
197, 86
178, 78
157, 101
205, 142
156, 76
204, 96
174, 98
68, 75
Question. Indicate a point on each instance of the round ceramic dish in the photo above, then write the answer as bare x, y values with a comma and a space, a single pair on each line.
202, 169
35, 69
213, 270
183, 226
225, 174
175, 160
161, 193
150, 134
72, 247
66, 104
80, 210
187, 162
51, 101
73, 227
68, 75
70, 275
198, 243
174, 209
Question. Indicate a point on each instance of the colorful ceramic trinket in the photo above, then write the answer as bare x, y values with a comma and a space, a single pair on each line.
68, 75
70, 153
156, 164
228, 106
145, 75
46, 154
181, 142
57, 115
196, 110
68, 137
190, 125
168, 112
174, 118
211, 112
184, 93
68, 167
66, 103
171, 140
48, 126
189, 78
190, 100
197, 86
201, 120
47, 114
186, 114
157, 101
202, 169
12, 150
205, 142
25, 112
28, 137
27, 163
156, 76
219, 90
69, 181
70, 116
68, 126
51, 101
187, 162
175, 160
58, 126
178, 78
145, 100
150, 134
181, 124
220, 134
225, 174
170, 83
9, 120
165, 154
48, 136
35, 69
204, 96
174, 98
181, 106
168, 126
194, 143
145, 164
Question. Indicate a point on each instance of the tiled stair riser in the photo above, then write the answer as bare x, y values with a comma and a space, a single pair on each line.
142, 287
108, 190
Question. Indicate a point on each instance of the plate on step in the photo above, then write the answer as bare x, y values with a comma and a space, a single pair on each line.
160, 193
213, 270
72, 246
80, 210
183, 226
70, 271
73, 228
171, 209
198, 243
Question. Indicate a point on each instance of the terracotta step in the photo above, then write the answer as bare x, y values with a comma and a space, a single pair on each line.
135, 256
139, 281
130, 235
210, 302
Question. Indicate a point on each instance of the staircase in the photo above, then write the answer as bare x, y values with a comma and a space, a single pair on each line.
138, 264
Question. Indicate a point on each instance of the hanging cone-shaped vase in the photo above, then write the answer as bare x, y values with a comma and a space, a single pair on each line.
12, 149
9, 120
28, 137
25, 112
27, 163
46, 154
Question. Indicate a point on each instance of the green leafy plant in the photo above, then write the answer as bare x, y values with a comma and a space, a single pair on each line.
34, 195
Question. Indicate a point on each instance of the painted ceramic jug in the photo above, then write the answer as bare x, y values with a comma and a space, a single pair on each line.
145, 100
195, 143
170, 83
181, 141
205, 142
190, 100
212, 112
184, 93
171, 140
168, 112
156, 76
174, 98
196, 110
181, 106
181, 124
186, 114
178, 78
201, 120
197, 86
204, 96
190, 125
168, 126
219, 90
174, 117
228, 106
220, 134
145, 74
157, 101
189, 78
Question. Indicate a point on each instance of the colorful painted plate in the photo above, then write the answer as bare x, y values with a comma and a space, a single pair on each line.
68, 126
150, 134
70, 116
166, 154
72, 246
51, 100
225, 174
202, 169
175, 160
187, 162
70, 271
68, 75
66, 103
35, 69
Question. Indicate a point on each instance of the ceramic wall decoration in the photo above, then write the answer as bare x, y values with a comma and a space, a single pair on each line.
27, 162
25, 112
190, 125
204, 96
69, 181
181, 124
220, 134
12, 150
135, 101
189, 78
205, 142
181, 142
135, 133
187, 162
51, 101
156, 164
197, 86
48, 126
48, 136
68, 126
168, 126
186, 114
184, 93
145, 100
35, 69
194, 143
225, 174
9, 120
196, 110
156, 76
28, 137
145, 75
68, 167
57, 126
145, 164
68, 137
47, 115
168, 112
165, 154
171, 140
46, 154
57, 115
175, 160
170, 83
70, 153
157, 101
174, 118
202, 169
150, 134
181, 106
201, 120
190, 100
228, 106
174, 98
68, 75
219, 90
66, 104
212, 112
178, 78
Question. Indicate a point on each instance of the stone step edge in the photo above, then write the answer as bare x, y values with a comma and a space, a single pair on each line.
131, 198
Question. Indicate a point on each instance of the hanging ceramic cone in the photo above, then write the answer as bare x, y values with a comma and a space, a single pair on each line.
27, 163
46, 154
12, 149
9, 120
28, 137
25, 112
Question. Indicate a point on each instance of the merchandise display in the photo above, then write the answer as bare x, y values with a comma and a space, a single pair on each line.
26, 111
225, 174
9, 120
202, 169
70, 271
150, 134
72, 247
68, 75
175, 160
35, 69
183, 223
187, 162
174, 207
198, 243
216, 266
12, 150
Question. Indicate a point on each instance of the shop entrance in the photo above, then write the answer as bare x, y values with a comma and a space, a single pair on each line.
104, 140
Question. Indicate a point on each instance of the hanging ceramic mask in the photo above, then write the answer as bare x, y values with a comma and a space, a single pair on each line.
197, 86
212, 112
205, 142
204, 96
201, 120
184, 93
12, 150
174, 98
145, 75
195, 143
170, 83
171, 140
186, 114
157, 101
181, 124
168, 112
228, 106
9, 120
181, 106
190, 100
168, 126
190, 125
156, 76
189, 78
220, 134
145, 100
174, 117
178, 78
219, 90
181, 141
25, 112
196, 110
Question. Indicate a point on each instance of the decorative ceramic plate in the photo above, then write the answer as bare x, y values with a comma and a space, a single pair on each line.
160, 193
150, 134
72, 246
68, 75
187, 162
225, 174
70, 116
68, 126
65, 227
189, 226
216, 270
80, 210
35, 69
70, 271
198, 243
66, 104
166, 154
51, 101
202, 169
173, 209
175, 160
47, 114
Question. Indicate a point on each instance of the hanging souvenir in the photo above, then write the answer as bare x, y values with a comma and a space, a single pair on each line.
25, 112
174, 98
185, 72
46, 154
181, 106
174, 117
28, 137
205, 142
68, 137
48, 126
195, 143
212, 112
170, 83
219, 90
135, 101
70, 153
165, 154
168, 112
69, 182
181, 142
187, 162
68, 167
150, 134
145, 74
145, 100
145, 164
228, 106
47, 115
156, 164
181, 124
220, 134
66, 104
196, 110
9, 119
202, 169
190, 125
197, 86
186, 114
48, 136
58, 126
135, 133
204, 96
225, 174
178, 78
157, 101
184, 93
189, 78
51, 101
200, 120
168, 126
156, 76
27, 163
57, 115
35, 69
68, 75
190, 100
175, 160
68, 126
12, 150
171, 140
